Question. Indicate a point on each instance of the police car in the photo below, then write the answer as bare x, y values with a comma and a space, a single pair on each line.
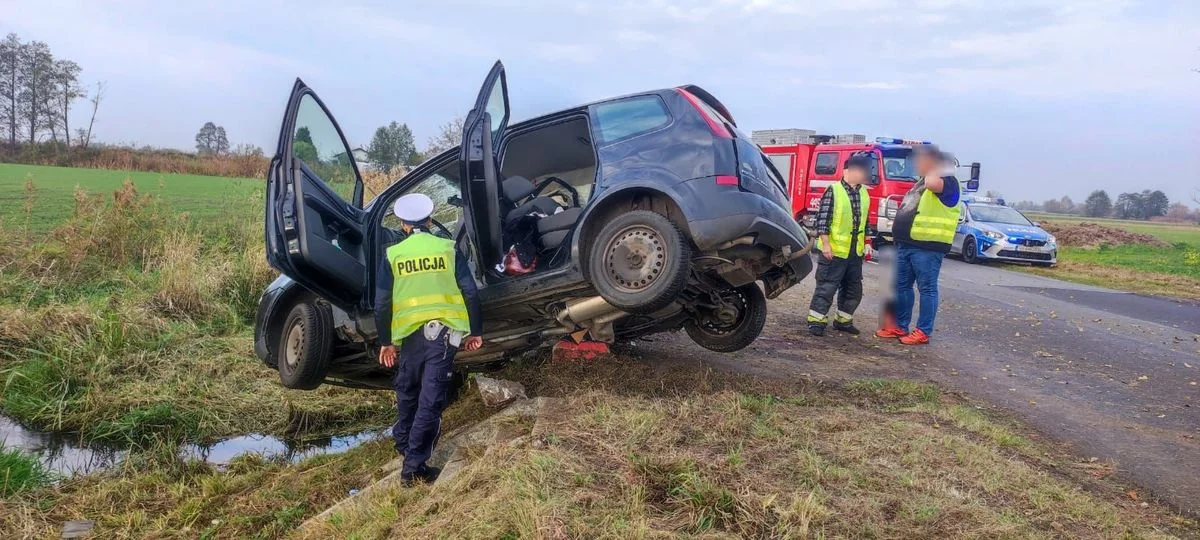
990, 231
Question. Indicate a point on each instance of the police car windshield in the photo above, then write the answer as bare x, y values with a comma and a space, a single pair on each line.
898, 164
998, 214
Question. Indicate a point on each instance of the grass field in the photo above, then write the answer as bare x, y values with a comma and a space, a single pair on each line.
202, 197
1172, 270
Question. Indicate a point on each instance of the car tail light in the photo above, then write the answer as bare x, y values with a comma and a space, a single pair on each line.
727, 180
715, 124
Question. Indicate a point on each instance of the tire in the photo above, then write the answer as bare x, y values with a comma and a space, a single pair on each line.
970, 254
752, 315
640, 262
304, 346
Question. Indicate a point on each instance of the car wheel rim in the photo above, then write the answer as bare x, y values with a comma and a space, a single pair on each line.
635, 258
295, 345
728, 317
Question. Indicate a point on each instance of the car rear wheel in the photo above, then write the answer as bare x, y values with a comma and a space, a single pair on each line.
970, 254
304, 345
639, 262
733, 323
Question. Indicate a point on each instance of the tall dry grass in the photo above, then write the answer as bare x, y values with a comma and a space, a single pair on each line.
129, 311
136, 159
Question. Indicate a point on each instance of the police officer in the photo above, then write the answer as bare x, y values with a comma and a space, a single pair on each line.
842, 232
923, 230
427, 300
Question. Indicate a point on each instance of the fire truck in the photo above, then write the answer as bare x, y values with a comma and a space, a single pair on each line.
811, 162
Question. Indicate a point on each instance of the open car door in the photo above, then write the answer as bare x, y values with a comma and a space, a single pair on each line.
482, 131
314, 222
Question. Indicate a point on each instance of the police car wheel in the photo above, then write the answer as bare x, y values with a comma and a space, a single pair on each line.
639, 262
970, 253
304, 346
724, 331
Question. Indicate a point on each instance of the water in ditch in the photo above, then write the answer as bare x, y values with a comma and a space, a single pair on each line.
64, 454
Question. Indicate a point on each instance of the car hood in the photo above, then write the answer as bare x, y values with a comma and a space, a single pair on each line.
1017, 231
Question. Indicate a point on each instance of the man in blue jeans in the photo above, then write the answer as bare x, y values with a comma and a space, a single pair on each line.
923, 229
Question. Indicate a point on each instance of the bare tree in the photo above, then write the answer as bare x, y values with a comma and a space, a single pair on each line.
449, 136
96, 98
67, 90
10, 83
36, 87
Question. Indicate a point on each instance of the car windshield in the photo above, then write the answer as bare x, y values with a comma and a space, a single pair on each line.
998, 214
898, 164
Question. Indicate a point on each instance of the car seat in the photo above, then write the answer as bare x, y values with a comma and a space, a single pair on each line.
551, 221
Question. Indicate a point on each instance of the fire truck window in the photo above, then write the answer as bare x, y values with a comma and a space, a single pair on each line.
826, 163
782, 163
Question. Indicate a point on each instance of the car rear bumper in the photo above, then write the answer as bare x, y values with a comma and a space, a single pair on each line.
717, 214
722, 217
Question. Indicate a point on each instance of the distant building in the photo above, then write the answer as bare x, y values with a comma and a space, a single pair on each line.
765, 137
850, 138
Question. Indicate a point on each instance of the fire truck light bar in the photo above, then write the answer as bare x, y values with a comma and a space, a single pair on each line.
889, 140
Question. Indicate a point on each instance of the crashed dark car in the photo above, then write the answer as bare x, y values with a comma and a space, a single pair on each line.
645, 213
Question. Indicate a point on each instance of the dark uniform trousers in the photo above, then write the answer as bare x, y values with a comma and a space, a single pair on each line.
422, 385
840, 276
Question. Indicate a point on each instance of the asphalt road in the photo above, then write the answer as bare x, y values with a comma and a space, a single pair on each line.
1115, 376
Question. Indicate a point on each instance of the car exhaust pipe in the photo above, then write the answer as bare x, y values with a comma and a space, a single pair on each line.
583, 310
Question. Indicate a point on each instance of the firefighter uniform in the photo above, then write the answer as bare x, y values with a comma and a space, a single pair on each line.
427, 299
843, 217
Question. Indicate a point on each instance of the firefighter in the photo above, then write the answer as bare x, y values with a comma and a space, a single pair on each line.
426, 299
923, 229
842, 233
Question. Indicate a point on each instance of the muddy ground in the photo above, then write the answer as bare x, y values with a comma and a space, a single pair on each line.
1110, 375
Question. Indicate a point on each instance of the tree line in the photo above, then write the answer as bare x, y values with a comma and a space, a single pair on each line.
1144, 205
37, 92
393, 145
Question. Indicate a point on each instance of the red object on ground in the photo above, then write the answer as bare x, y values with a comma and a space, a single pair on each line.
585, 350
916, 337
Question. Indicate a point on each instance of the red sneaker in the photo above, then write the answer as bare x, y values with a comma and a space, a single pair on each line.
916, 337
889, 333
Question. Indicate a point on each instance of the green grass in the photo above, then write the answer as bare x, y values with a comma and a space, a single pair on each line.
1172, 270
20, 472
202, 197
125, 321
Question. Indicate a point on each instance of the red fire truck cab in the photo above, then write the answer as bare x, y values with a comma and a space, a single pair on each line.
811, 166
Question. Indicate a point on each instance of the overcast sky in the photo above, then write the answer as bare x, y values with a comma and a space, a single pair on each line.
1056, 97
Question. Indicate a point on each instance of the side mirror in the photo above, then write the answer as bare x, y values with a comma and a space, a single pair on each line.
455, 200
874, 180
975, 171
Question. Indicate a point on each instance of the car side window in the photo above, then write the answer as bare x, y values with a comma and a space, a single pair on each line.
316, 142
445, 188
625, 118
826, 163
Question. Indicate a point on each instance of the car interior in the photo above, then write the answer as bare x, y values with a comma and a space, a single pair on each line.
548, 173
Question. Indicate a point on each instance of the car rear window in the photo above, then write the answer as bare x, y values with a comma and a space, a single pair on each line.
631, 116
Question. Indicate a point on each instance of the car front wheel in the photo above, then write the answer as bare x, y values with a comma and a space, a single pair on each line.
304, 346
733, 322
970, 253
640, 262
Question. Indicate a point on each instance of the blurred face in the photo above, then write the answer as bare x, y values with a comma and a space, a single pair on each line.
856, 176
926, 164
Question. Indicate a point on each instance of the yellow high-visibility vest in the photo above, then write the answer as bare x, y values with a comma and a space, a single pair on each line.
841, 229
934, 222
424, 287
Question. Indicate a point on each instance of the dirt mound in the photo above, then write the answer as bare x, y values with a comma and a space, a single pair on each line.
1090, 235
